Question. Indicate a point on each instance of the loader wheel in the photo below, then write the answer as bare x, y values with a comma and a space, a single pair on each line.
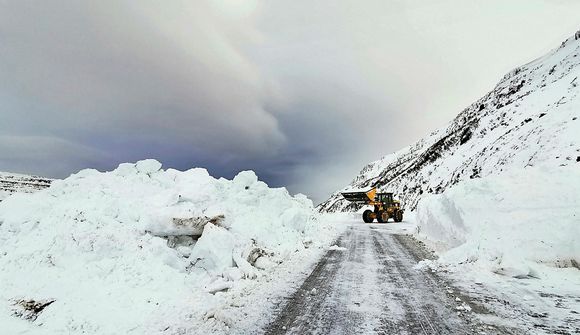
382, 217
398, 216
367, 216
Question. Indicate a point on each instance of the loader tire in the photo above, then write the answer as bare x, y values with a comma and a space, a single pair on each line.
367, 216
398, 216
380, 215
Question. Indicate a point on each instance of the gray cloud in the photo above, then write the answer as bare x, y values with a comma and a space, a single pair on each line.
138, 72
30, 153
302, 92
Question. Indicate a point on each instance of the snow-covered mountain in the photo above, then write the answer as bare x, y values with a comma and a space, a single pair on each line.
11, 182
532, 117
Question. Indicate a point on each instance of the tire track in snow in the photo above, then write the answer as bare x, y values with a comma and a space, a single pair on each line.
426, 307
371, 287
342, 303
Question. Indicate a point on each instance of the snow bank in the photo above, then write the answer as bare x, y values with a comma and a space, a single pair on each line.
98, 244
4, 194
508, 223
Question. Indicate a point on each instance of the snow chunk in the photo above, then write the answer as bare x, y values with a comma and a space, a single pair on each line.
148, 166
213, 251
245, 179
336, 247
219, 285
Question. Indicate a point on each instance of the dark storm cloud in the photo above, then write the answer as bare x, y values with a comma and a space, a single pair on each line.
132, 79
302, 92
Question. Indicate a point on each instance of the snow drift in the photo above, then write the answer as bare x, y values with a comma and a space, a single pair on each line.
110, 252
508, 223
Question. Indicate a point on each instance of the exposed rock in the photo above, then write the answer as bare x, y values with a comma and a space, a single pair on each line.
30, 309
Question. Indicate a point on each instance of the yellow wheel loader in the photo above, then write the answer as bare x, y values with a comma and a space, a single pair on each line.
385, 207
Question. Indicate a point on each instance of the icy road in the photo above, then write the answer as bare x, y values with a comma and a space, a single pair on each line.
370, 285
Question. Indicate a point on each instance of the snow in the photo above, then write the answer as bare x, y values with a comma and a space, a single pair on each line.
508, 223
494, 192
530, 118
514, 237
336, 247
356, 190
4, 194
12, 182
113, 250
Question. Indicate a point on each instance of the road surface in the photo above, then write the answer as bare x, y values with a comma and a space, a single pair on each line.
372, 286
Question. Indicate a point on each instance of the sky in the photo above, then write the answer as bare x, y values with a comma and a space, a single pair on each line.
303, 92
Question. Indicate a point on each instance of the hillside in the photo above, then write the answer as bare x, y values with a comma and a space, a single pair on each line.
11, 182
530, 118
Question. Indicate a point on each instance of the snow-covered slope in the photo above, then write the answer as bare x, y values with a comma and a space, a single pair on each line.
531, 117
11, 183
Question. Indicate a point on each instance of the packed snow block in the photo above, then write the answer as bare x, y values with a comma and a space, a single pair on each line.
264, 263
245, 179
125, 169
197, 223
213, 251
191, 226
246, 269
148, 166
294, 217
508, 223
442, 220
184, 232
219, 285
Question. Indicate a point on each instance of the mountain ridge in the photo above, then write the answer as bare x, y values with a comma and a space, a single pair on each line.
530, 117
14, 182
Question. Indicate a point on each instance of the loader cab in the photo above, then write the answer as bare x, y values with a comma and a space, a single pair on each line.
385, 198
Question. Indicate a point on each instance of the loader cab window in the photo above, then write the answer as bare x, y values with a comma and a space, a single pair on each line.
385, 197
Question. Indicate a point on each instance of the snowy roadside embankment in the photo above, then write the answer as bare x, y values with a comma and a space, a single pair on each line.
143, 249
511, 242
508, 223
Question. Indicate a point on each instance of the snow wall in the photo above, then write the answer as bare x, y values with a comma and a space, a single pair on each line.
508, 223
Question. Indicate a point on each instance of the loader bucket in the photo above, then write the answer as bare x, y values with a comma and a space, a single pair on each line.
360, 196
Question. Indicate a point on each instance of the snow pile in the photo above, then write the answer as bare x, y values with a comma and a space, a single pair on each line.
508, 224
118, 251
